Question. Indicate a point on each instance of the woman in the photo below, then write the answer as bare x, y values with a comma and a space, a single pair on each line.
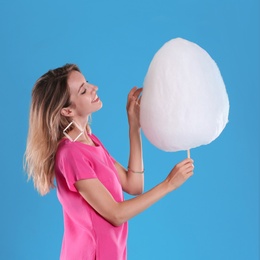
90, 183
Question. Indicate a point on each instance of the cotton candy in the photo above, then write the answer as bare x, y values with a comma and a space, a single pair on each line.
184, 101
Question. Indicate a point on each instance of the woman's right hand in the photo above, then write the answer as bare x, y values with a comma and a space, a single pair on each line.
133, 107
179, 174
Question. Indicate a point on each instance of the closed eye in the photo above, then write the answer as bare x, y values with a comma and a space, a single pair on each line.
85, 86
84, 91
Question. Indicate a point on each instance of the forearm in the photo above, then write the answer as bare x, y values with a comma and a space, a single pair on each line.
135, 176
97, 196
95, 193
178, 175
127, 209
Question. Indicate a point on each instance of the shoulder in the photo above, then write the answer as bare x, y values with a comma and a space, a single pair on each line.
66, 144
67, 148
95, 139
72, 154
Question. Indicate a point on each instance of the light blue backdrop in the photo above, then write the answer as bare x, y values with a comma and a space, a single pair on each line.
216, 214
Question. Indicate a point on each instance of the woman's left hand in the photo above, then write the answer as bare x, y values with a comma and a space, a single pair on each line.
133, 107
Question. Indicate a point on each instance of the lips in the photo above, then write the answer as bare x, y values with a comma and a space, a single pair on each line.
96, 99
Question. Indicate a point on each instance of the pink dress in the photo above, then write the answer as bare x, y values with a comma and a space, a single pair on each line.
87, 235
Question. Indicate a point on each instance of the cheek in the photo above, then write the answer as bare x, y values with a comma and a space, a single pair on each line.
84, 104
84, 101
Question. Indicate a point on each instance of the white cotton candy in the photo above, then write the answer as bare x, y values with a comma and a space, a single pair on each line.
184, 101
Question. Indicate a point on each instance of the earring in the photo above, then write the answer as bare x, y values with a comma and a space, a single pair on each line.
67, 135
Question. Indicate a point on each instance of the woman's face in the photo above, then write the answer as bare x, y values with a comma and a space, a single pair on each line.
83, 96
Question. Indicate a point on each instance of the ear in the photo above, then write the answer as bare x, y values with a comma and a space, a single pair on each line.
67, 112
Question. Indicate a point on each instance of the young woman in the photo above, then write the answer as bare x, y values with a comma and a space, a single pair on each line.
90, 183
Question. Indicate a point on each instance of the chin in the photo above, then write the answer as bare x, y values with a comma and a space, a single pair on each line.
100, 105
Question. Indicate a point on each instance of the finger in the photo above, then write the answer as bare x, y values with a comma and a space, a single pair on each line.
185, 161
130, 97
137, 93
186, 171
139, 100
134, 98
185, 168
190, 169
132, 91
131, 104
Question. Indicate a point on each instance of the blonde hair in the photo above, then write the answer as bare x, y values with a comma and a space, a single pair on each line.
49, 95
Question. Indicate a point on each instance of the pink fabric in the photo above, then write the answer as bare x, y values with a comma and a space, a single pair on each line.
87, 235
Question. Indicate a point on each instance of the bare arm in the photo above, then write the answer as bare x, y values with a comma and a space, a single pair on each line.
132, 179
94, 192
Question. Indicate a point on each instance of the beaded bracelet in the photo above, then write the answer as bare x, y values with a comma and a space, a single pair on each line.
129, 169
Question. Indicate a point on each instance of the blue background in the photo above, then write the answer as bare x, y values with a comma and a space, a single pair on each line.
215, 215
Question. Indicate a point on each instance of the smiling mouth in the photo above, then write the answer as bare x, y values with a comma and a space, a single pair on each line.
96, 99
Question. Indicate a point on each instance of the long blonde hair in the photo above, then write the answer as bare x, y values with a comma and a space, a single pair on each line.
49, 95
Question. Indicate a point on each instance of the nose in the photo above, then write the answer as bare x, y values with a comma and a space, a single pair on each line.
95, 88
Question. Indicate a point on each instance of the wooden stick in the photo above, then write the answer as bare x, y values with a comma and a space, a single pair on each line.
188, 153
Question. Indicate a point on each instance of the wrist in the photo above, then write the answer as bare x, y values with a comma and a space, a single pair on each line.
135, 171
168, 186
134, 129
164, 188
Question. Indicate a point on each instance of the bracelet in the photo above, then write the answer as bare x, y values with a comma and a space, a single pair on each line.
130, 170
